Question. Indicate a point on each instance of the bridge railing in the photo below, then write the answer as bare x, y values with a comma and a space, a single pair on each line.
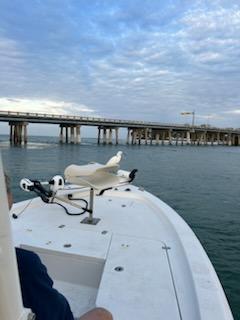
84, 118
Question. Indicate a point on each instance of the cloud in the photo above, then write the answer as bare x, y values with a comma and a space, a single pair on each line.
233, 112
43, 106
123, 59
212, 35
210, 117
11, 57
9, 48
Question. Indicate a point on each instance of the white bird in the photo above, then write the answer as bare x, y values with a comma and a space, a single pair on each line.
115, 159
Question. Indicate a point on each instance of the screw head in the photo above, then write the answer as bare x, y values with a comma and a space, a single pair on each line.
67, 245
119, 269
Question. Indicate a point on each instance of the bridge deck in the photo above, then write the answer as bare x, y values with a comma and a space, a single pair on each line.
137, 131
11, 116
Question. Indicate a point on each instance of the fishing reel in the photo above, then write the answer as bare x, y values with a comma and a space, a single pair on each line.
55, 184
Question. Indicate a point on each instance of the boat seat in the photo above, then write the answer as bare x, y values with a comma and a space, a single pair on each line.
95, 175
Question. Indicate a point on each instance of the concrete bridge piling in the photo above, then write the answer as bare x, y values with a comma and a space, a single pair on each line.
184, 137
18, 133
105, 135
74, 130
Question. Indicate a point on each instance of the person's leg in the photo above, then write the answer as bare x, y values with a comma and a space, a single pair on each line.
37, 289
39, 294
97, 314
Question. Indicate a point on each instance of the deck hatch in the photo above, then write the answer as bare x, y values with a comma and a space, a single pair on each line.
145, 273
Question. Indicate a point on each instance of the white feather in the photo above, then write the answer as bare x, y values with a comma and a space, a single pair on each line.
115, 159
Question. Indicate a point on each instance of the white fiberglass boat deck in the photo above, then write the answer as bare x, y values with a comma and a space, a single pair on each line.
140, 261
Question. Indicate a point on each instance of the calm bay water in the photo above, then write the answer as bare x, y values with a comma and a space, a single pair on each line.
201, 183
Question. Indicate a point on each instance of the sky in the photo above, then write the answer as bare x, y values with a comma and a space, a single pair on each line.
125, 59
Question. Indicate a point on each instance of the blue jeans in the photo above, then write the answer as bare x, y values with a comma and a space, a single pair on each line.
37, 289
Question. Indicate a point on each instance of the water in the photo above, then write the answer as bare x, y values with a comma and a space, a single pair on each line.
201, 183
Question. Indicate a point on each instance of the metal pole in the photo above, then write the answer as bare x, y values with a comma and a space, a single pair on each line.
90, 219
193, 118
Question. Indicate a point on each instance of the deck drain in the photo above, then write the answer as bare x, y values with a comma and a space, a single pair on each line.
118, 269
67, 245
123, 205
61, 226
104, 232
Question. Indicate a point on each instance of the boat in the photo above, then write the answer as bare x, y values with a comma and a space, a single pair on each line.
111, 244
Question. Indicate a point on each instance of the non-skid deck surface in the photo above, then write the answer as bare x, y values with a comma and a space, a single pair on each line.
144, 288
164, 271
81, 298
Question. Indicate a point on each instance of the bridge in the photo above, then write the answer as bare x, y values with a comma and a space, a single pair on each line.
137, 131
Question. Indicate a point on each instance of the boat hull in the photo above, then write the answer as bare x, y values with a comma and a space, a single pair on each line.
141, 261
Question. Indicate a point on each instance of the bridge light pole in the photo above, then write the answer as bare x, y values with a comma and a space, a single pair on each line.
208, 120
190, 113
